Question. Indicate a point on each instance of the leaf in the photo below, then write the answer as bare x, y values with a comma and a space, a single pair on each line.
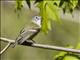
48, 12
56, 2
60, 54
19, 4
70, 58
52, 12
61, 3
68, 5
67, 55
45, 25
74, 3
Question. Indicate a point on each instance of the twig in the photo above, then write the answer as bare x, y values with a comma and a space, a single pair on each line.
7, 46
7, 40
56, 48
46, 46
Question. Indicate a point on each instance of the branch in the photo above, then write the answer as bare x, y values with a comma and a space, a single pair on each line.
56, 48
7, 46
46, 46
7, 40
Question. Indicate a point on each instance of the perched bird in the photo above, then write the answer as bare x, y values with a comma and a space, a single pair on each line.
28, 33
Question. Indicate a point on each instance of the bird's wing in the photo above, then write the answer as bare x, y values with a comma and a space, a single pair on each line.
25, 34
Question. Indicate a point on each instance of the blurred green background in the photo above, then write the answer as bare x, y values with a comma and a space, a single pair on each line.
60, 35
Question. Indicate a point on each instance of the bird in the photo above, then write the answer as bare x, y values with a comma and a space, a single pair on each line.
28, 33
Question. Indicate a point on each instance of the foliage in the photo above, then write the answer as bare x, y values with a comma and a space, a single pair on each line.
49, 10
19, 4
68, 5
68, 55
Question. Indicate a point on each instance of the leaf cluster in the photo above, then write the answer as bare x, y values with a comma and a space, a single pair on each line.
68, 55
49, 10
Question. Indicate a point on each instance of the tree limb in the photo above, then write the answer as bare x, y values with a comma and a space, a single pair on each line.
45, 46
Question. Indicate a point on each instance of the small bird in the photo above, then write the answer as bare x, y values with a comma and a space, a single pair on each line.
28, 33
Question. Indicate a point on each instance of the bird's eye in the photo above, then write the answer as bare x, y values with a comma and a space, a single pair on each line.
37, 18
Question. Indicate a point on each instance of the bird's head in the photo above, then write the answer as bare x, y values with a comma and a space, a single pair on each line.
37, 20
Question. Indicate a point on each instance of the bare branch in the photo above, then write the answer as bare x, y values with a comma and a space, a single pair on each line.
7, 46
7, 40
56, 48
46, 46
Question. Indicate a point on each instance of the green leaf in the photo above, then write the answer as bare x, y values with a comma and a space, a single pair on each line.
57, 2
68, 5
48, 12
52, 12
74, 3
19, 4
60, 54
45, 24
70, 58
61, 3
67, 55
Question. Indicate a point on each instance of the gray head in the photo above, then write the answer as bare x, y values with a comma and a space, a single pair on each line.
37, 20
